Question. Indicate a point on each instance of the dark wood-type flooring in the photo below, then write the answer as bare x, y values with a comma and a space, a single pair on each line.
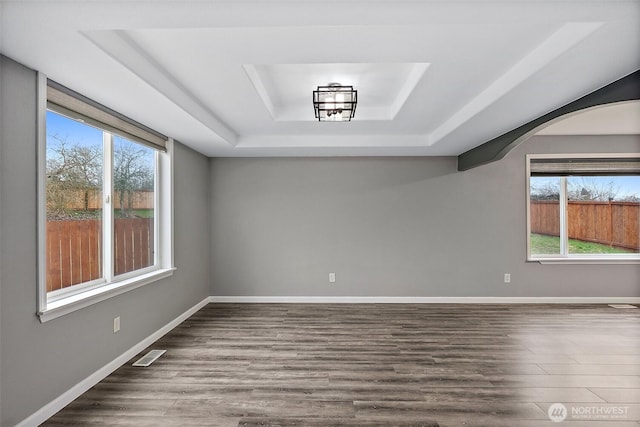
379, 364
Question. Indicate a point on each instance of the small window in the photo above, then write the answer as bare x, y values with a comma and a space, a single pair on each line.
584, 207
106, 205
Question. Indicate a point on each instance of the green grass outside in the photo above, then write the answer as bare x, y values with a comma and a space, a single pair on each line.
97, 214
138, 213
547, 245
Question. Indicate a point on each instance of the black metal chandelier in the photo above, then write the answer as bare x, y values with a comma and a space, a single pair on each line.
335, 103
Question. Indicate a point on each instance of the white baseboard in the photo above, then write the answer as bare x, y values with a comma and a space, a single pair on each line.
76, 391
425, 300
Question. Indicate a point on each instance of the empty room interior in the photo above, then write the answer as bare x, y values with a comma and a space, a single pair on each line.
320, 213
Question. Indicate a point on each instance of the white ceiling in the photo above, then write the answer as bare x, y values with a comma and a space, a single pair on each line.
621, 119
234, 78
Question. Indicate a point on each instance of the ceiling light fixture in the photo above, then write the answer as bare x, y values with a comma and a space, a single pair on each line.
335, 103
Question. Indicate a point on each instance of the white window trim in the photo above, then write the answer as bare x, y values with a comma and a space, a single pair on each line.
102, 289
571, 258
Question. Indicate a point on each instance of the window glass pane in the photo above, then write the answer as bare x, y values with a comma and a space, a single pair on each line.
134, 169
603, 214
544, 212
74, 161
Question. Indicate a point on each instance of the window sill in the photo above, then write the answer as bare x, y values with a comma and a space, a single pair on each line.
583, 260
78, 301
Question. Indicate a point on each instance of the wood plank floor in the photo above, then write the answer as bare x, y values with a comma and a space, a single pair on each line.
379, 365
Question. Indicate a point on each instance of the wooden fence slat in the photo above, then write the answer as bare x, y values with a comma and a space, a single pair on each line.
96, 257
137, 247
53, 257
129, 247
145, 247
618, 227
75, 252
65, 249
119, 255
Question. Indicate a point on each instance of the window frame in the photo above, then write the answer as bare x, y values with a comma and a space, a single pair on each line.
88, 293
564, 257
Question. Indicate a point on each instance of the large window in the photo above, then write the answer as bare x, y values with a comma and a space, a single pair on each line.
584, 207
105, 223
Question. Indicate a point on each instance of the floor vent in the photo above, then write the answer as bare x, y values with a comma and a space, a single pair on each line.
622, 306
149, 358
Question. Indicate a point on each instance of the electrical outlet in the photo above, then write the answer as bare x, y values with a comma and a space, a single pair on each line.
507, 277
332, 277
116, 324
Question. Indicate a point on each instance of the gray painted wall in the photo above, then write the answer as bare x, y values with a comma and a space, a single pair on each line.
42, 361
391, 227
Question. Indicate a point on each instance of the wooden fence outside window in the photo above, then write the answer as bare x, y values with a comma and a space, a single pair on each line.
74, 249
610, 223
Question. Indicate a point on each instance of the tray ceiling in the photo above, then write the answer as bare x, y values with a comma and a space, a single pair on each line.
235, 78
